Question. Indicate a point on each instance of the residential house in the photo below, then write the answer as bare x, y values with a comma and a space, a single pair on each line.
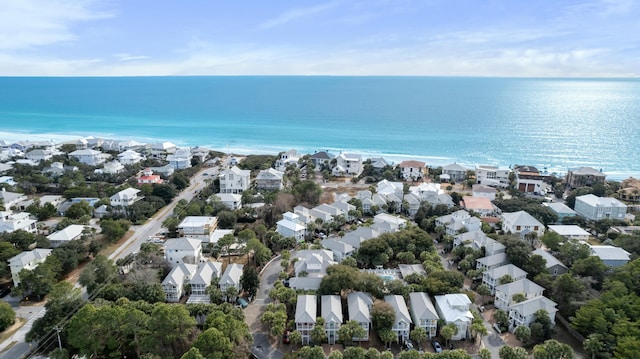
63, 207
596, 208
230, 200
39, 155
492, 261
454, 308
148, 177
479, 205
320, 159
234, 180
175, 282
164, 171
480, 190
11, 200
125, 198
392, 191
455, 172
269, 179
359, 305
493, 276
112, 167
200, 154
478, 240
389, 222
361, 234
57, 169
523, 313
402, 323
570, 231
198, 227
562, 210
89, 157
455, 222
26, 162
231, 277
611, 256
378, 163
348, 164
54, 200
553, 265
331, 312
345, 208
339, 248
160, 150
529, 180
310, 267
305, 316
517, 222
69, 233
130, 157
219, 233
584, 176
493, 176
291, 226
28, 260
423, 312
412, 170
180, 159
505, 292
287, 158
11, 222
183, 250
331, 210
412, 203
206, 272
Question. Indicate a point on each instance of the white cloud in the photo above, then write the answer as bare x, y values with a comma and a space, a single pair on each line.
296, 14
28, 23
128, 57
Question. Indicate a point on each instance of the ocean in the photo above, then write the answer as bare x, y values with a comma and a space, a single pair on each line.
553, 124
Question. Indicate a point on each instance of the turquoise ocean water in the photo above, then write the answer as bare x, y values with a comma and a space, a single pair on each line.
550, 123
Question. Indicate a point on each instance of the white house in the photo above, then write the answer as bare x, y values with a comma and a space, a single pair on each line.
596, 208
505, 292
412, 170
11, 222
561, 209
340, 249
457, 221
180, 159
310, 267
10, 200
305, 317
39, 155
230, 200
231, 277
492, 261
390, 190
320, 159
89, 157
455, 172
331, 312
359, 305
269, 179
27, 260
69, 233
287, 158
130, 157
148, 177
174, 283
291, 226
402, 323
198, 227
479, 190
112, 167
478, 240
348, 164
161, 149
523, 313
206, 272
183, 250
517, 222
454, 308
361, 234
389, 222
492, 176
234, 180
570, 231
125, 198
424, 313
493, 276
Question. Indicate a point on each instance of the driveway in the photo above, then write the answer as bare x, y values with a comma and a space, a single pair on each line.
262, 346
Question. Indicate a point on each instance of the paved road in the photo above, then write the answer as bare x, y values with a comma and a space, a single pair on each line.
262, 346
20, 348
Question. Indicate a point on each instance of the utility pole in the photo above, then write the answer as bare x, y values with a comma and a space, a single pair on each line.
57, 329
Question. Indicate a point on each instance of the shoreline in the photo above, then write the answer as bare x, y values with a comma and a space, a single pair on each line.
391, 158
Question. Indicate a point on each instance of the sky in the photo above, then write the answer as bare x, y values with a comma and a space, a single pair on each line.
514, 38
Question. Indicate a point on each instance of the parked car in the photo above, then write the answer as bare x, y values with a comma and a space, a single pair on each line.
407, 345
436, 346
242, 302
285, 338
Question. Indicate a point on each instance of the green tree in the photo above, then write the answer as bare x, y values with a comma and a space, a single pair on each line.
552, 349
193, 353
418, 335
593, 345
523, 333
349, 330
387, 336
483, 290
296, 338
382, 315
318, 334
214, 344
97, 273
484, 353
507, 352
310, 353
335, 354
448, 331
7, 315
501, 317
250, 280
354, 353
